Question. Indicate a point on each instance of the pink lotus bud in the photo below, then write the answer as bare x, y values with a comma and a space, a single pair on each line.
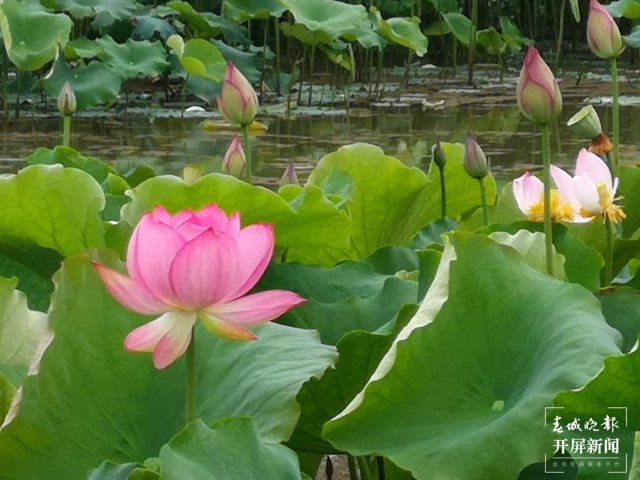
538, 94
238, 101
603, 34
234, 161
290, 176
475, 161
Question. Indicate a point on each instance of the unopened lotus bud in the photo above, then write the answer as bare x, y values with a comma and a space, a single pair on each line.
290, 176
475, 161
238, 101
538, 95
603, 34
66, 100
234, 161
439, 157
586, 123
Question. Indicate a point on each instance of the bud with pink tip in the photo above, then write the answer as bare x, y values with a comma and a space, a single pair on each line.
538, 94
234, 160
238, 101
603, 34
290, 176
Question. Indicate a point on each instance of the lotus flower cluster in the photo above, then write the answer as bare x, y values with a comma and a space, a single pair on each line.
588, 194
195, 265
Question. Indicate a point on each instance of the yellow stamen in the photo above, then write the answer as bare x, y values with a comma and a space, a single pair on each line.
560, 211
610, 211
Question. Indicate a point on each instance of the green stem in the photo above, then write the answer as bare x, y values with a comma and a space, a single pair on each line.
191, 379
443, 191
353, 468
616, 114
608, 272
66, 130
277, 32
546, 178
381, 472
247, 150
365, 473
483, 196
563, 7
472, 40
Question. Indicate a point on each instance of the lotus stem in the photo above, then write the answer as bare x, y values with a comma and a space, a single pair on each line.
313, 56
353, 467
380, 464
247, 150
363, 464
472, 40
608, 261
615, 93
563, 7
483, 196
190, 413
277, 33
546, 178
66, 130
443, 191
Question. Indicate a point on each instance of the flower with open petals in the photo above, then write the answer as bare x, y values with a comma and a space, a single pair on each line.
195, 265
595, 188
538, 95
603, 34
529, 194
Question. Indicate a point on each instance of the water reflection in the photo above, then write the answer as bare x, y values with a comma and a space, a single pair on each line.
168, 144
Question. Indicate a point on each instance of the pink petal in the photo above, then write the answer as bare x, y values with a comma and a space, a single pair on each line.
590, 165
128, 292
175, 341
564, 183
202, 272
527, 190
587, 194
227, 330
255, 247
256, 308
152, 248
212, 216
146, 337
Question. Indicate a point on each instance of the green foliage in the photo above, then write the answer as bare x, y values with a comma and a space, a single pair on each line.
133, 58
199, 58
116, 9
405, 32
328, 18
242, 10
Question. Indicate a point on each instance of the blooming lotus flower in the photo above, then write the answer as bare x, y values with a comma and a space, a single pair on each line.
238, 101
529, 194
538, 95
595, 189
195, 265
603, 34
234, 160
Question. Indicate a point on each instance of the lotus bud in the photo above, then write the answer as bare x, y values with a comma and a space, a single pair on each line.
234, 161
439, 157
290, 176
538, 94
238, 101
475, 161
66, 100
603, 34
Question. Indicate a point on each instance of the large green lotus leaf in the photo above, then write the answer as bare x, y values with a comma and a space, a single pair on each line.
7, 393
92, 401
625, 8
349, 296
93, 84
230, 449
312, 230
117, 9
208, 24
302, 33
147, 26
387, 201
82, 47
630, 190
68, 157
26, 50
203, 59
328, 16
405, 32
239, 11
463, 192
459, 25
492, 41
621, 308
512, 35
246, 62
463, 389
133, 58
51, 207
35, 282
322, 399
20, 330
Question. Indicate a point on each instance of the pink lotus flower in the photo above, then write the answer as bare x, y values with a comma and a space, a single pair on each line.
538, 95
595, 189
234, 161
195, 265
238, 101
529, 194
603, 34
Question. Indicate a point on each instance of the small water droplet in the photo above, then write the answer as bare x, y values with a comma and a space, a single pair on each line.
498, 406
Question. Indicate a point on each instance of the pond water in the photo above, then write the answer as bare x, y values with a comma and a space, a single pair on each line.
167, 144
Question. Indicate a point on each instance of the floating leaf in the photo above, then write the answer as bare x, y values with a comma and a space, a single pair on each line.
133, 58
25, 50
92, 401
445, 400
231, 448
